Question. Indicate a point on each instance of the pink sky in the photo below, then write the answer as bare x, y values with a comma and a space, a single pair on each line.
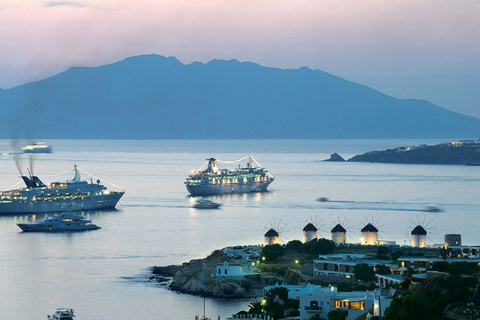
406, 48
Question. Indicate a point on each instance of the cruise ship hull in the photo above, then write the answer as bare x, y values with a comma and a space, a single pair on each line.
95, 203
216, 189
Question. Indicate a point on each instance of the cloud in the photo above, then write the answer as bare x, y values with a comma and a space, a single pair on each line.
65, 3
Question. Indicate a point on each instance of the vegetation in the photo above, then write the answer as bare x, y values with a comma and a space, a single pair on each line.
457, 267
277, 304
364, 272
272, 252
319, 246
428, 300
337, 314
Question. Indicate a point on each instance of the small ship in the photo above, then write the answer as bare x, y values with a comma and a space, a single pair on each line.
214, 181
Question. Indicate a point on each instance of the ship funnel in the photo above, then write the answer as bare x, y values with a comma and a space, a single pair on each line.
212, 165
28, 182
37, 182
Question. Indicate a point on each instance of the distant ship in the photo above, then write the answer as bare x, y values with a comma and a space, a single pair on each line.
212, 180
37, 147
75, 194
66, 222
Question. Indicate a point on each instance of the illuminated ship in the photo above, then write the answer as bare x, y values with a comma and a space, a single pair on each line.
37, 147
212, 180
75, 194
66, 222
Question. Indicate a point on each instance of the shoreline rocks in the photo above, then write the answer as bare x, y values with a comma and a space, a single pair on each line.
452, 153
197, 277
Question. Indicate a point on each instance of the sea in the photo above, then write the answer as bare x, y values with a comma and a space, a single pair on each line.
104, 274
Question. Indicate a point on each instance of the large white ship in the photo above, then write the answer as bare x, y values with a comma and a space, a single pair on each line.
213, 180
75, 194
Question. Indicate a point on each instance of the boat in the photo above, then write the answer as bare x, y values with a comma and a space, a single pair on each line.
213, 181
322, 199
65, 222
206, 204
62, 314
75, 194
37, 147
431, 208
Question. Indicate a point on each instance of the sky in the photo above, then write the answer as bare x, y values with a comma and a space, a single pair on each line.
415, 49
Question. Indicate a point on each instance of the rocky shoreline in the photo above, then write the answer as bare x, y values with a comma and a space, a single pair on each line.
197, 277
452, 153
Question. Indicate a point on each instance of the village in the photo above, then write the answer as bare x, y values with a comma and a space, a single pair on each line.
318, 278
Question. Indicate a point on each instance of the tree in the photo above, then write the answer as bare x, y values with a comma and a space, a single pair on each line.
411, 306
277, 303
319, 246
294, 245
272, 252
364, 272
382, 269
316, 317
255, 307
337, 314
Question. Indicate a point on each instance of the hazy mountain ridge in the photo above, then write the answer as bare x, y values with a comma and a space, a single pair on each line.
155, 97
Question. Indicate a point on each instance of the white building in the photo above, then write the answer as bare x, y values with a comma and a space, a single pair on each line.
339, 234
419, 237
309, 233
230, 270
321, 300
369, 235
271, 237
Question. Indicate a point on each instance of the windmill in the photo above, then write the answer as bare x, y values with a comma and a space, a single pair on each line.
275, 231
370, 233
421, 228
339, 231
311, 230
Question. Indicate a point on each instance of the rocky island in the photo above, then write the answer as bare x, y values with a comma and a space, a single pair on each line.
452, 153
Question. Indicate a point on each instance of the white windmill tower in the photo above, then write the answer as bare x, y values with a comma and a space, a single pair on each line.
339, 234
369, 234
272, 236
420, 229
310, 231
339, 231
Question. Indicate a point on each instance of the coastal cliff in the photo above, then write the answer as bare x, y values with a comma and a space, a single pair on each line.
453, 153
198, 277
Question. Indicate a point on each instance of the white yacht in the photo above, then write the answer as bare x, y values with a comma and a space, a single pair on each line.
206, 204
37, 147
66, 222
62, 314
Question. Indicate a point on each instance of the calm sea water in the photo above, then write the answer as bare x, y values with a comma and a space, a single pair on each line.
103, 274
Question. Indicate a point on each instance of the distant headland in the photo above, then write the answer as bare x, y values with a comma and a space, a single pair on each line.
465, 152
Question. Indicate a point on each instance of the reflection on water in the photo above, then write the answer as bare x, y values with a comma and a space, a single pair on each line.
104, 274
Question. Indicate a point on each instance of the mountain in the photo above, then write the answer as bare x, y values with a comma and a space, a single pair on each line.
155, 97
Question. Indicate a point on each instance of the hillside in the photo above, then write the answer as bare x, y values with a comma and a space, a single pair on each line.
458, 152
154, 97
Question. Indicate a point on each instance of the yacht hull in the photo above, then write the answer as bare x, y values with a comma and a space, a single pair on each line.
35, 228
